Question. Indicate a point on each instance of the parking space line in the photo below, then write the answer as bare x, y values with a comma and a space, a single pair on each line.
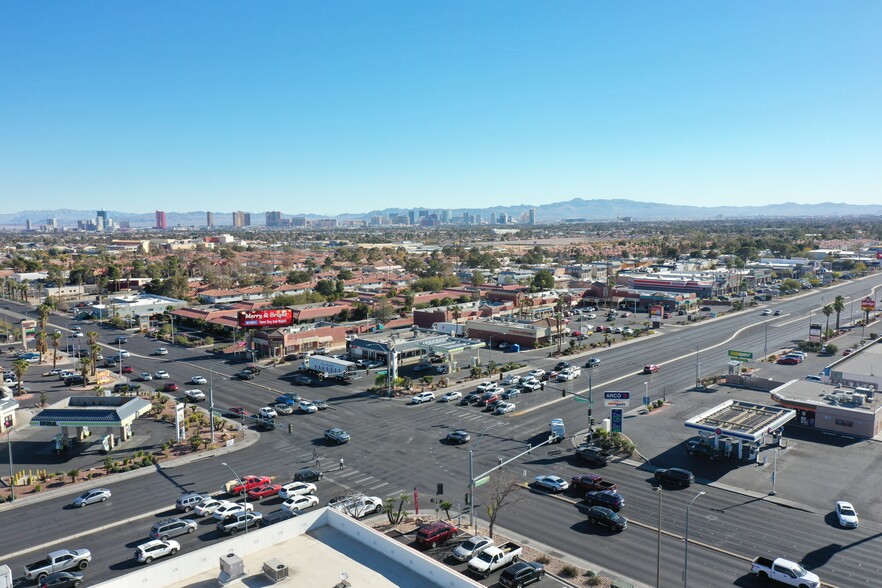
379, 486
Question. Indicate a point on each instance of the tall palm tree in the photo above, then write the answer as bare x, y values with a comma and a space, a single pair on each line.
827, 310
838, 306
44, 310
20, 367
92, 340
56, 339
42, 347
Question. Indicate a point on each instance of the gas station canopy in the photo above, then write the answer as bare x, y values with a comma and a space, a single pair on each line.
742, 420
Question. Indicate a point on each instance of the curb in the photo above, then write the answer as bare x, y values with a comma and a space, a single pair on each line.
251, 437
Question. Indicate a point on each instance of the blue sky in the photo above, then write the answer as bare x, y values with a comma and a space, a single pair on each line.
332, 107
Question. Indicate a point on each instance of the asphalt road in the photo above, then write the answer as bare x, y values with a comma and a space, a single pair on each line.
397, 447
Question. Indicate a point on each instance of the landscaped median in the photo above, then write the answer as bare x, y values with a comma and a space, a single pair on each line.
562, 571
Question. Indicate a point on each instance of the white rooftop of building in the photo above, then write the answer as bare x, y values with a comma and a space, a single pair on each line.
319, 548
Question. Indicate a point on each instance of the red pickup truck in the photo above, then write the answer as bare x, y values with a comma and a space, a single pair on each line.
591, 482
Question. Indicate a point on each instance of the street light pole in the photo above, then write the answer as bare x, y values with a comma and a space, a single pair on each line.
774, 473
697, 374
766, 340
472, 475
686, 546
211, 401
244, 495
658, 548
11, 480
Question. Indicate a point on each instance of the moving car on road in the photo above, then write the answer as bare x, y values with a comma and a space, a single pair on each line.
296, 489
422, 398
91, 497
147, 552
599, 515
337, 435
459, 437
450, 396
301, 502
650, 368
161, 375
198, 380
846, 515
551, 483
194, 395
674, 476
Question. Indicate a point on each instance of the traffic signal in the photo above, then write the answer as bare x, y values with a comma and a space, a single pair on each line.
290, 428
440, 489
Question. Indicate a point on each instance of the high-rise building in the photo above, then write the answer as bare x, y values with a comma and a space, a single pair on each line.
247, 219
492, 218
531, 216
209, 219
160, 220
445, 216
411, 217
273, 218
238, 219
298, 221
28, 224
101, 221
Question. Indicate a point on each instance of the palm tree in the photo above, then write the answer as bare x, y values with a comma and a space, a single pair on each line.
827, 310
92, 340
44, 310
838, 306
56, 338
85, 364
20, 366
42, 347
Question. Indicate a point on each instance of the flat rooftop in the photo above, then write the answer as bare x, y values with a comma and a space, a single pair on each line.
318, 548
866, 360
818, 394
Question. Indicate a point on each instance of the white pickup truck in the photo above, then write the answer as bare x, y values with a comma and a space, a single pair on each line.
784, 571
494, 558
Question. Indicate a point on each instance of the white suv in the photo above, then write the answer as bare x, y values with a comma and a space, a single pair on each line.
422, 397
487, 387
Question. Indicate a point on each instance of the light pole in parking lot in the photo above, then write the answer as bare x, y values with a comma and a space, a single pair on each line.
244, 495
686, 537
472, 475
774, 473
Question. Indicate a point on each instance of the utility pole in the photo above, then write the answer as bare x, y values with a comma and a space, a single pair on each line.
211, 401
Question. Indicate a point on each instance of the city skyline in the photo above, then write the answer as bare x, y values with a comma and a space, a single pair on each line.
339, 108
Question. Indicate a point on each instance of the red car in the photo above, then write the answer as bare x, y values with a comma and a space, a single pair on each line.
250, 483
650, 368
238, 411
788, 361
127, 369
170, 387
602, 329
264, 491
847, 352
576, 334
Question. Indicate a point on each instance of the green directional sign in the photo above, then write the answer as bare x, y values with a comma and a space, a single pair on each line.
382, 372
580, 399
482, 481
740, 355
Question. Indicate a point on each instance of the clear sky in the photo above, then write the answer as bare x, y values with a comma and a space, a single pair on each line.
347, 106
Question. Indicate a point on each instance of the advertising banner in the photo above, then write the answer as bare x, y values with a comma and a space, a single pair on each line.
868, 304
269, 317
617, 399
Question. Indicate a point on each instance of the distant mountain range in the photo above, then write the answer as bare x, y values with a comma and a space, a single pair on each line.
575, 209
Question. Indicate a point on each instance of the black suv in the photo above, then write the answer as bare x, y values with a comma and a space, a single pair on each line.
696, 446
307, 475
594, 455
521, 573
561, 365
604, 516
674, 476
470, 398
606, 498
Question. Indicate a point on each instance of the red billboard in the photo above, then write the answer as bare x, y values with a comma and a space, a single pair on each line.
868, 304
270, 317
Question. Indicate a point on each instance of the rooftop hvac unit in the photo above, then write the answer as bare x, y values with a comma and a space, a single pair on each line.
231, 567
859, 399
275, 570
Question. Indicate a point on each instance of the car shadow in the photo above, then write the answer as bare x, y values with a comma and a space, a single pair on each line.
587, 528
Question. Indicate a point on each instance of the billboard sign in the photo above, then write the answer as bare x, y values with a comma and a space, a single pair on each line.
868, 304
815, 332
740, 355
269, 317
657, 313
617, 399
